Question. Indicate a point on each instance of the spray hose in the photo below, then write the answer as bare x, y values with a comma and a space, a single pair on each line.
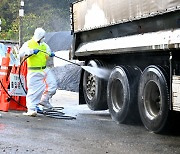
54, 112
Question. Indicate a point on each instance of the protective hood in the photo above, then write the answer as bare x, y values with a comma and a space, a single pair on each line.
39, 33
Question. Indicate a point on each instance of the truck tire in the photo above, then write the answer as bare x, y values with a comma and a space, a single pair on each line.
94, 89
121, 94
153, 99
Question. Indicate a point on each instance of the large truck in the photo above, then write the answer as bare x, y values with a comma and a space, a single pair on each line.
138, 41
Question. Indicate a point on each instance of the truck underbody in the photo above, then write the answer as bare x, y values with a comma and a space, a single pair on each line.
142, 55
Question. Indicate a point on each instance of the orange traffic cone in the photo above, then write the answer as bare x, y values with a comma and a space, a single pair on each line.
7, 101
4, 73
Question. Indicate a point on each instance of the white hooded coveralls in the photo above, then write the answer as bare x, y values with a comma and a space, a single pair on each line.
41, 83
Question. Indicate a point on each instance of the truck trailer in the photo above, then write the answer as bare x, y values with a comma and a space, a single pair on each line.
138, 41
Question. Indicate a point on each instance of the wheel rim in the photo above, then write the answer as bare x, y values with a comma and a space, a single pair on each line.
91, 86
117, 95
152, 100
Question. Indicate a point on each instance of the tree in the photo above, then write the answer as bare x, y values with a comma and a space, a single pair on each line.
52, 15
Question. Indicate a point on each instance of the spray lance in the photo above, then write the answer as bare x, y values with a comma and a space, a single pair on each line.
99, 72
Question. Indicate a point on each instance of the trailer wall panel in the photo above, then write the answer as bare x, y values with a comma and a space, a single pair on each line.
92, 14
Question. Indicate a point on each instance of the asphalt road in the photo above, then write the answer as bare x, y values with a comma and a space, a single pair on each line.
90, 133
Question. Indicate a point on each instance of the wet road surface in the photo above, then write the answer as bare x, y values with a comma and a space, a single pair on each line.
91, 133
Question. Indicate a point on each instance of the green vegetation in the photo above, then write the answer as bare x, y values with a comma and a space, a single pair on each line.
52, 15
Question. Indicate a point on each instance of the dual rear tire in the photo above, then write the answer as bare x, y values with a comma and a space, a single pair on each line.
129, 89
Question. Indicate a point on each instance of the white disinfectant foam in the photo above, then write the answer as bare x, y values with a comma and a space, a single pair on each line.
99, 72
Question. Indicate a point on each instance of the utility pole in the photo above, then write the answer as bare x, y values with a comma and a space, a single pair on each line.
21, 15
0, 24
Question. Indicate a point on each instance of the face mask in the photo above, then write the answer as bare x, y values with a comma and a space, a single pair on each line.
42, 40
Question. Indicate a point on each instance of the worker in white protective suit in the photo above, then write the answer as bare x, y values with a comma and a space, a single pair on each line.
41, 82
